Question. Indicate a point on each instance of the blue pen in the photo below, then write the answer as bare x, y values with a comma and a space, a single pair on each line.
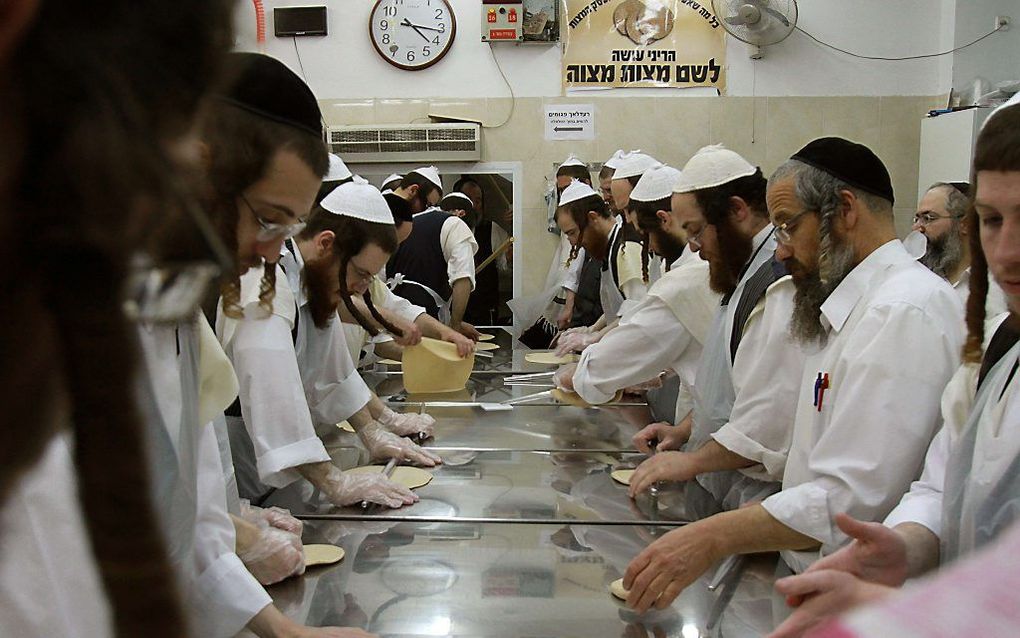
818, 385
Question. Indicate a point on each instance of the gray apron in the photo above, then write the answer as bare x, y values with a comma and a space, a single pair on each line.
714, 396
974, 514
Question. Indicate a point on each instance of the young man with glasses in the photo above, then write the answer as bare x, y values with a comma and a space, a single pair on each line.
738, 431
940, 218
882, 337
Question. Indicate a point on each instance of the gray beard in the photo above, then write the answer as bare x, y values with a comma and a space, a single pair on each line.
944, 254
812, 291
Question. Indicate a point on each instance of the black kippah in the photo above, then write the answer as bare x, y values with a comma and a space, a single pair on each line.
399, 207
265, 86
850, 162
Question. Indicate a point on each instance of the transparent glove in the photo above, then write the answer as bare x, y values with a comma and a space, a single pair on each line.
407, 423
274, 556
275, 516
564, 377
575, 342
383, 444
348, 489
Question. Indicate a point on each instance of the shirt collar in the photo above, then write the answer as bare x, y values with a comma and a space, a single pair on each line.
613, 234
837, 307
964, 279
296, 274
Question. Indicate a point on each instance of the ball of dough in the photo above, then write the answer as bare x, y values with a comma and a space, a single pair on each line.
616, 589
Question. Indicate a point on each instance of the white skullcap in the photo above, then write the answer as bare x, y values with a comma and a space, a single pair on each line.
656, 183
615, 159
392, 177
360, 200
575, 191
458, 195
634, 163
713, 166
337, 169
572, 160
430, 173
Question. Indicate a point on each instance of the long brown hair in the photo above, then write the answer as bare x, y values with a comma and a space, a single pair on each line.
997, 149
646, 214
241, 146
94, 97
578, 211
350, 236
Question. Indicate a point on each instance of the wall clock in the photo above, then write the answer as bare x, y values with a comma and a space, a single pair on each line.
412, 34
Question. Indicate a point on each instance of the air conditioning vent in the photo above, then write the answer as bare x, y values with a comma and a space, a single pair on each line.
407, 143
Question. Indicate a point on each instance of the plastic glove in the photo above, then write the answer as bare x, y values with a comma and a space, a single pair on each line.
274, 556
348, 489
407, 423
564, 377
383, 444
575, 342
275, 516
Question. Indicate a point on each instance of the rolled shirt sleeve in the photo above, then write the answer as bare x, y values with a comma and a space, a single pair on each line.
766, 376
224, 596
647, 342
459, 248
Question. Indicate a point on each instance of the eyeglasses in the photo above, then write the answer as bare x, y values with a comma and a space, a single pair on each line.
928, 217
362, 274
695, 240
270, 231
784, 231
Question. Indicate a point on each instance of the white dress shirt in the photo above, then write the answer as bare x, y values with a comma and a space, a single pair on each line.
659, 334
766, 378
383, 298
273, 404
894, 331
459, 248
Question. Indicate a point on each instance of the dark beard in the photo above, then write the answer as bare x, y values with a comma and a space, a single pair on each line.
670, 248
814, 287
944, 254
734, 250
319, 287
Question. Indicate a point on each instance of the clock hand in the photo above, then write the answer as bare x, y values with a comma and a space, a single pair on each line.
407, 23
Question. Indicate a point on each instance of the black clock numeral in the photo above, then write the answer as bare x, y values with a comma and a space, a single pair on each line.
439, 14
436, 40
442, 27
410, 56
386, 38
385, 24
425, 51
390, 11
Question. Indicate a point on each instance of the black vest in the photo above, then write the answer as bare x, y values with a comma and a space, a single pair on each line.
757, 284
484, 301
420, 258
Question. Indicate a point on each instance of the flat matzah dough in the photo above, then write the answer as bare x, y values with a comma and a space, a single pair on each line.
345, 426
482, 347
390, 362
409, 477
549, 358
486, 337
622, 476
574, 399
435, 366
616, 589
322, 555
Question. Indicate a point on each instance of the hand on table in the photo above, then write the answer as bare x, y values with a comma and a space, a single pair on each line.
348, 489
407, 423
575, 342
564, 377
467, 330
664, 466
383, 444
269, 553
824, 593
669, 437
465, 346
659, 573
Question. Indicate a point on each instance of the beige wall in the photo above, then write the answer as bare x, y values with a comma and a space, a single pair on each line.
765, 130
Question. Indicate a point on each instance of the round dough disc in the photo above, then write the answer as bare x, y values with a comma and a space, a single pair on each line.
616, 589
549, 358
574, 399
409, 477
622, 476
345, 426
486, 337
482, 347
322, 555
390, 362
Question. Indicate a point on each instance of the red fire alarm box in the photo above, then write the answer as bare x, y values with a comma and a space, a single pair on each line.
501, 21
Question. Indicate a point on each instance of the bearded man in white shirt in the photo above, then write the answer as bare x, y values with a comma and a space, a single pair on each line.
882, 335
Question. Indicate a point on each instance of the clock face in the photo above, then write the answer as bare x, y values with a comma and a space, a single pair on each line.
412, 34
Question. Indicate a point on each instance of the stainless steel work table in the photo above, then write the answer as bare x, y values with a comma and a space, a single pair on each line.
517, 536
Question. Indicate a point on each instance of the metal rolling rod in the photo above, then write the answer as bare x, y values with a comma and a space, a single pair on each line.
482, 520
387, 472
729, 577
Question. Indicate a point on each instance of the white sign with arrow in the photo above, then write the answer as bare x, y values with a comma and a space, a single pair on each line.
569, 122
